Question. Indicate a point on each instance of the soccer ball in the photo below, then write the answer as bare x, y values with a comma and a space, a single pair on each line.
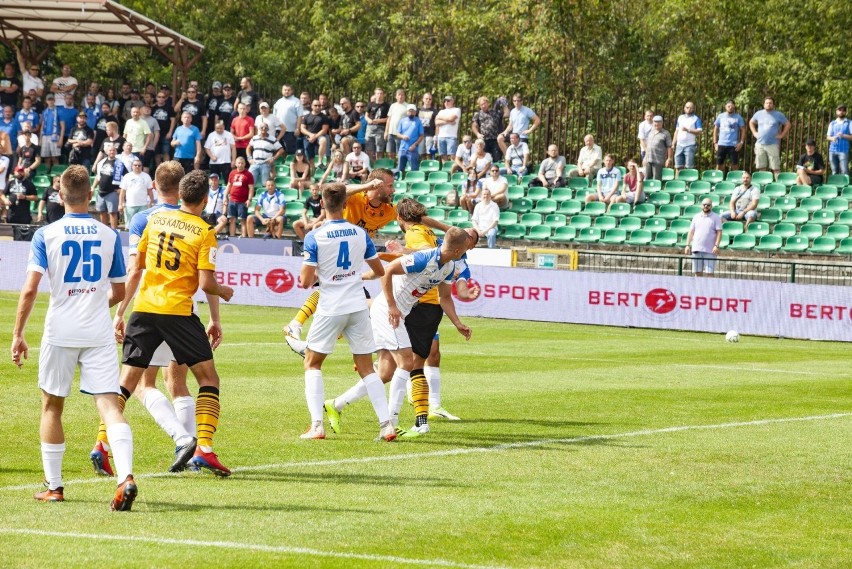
733, 337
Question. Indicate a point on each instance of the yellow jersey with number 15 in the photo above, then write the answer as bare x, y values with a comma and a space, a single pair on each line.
176, 245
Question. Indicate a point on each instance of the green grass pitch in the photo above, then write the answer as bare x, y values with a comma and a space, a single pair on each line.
580, 446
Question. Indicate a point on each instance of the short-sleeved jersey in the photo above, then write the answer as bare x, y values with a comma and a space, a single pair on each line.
419, 237
423, 272
338, 250
81, 257
359, 212
138, 223
271, 204
176, 245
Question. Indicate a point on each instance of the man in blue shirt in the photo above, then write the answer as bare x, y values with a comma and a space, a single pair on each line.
839, 135
29, 115
729, 132
410, 133
9, 125
768, 127
186, 140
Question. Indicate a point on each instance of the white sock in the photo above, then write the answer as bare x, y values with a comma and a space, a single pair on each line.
122, 449
314, 394
397, 392
164, 415
376, 389
296, 325
51, 460
185, 411
351, 395
433, 378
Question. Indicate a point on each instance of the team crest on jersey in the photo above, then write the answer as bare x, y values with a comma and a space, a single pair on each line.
408, 260
212, 256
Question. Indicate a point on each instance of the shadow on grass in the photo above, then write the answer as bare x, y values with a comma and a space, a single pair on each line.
357, 479
149, 506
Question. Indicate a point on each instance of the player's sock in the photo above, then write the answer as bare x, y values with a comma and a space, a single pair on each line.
308, 308
122, 448
207, 416
164, 415
397, 392
102, 430
376, 390
185, 411
351, 395
433, 378
51, 460
420, 395
408, 390
314, 394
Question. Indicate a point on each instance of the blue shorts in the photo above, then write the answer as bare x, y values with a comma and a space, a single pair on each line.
447, 146
237, 209
703, 262
685, 156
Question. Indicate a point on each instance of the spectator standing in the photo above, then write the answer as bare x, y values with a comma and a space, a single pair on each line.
112, 139
410, 135
811, 166
396, 112
81, 140
186, 141
136, 192
242, 127
20, 193
642, 132
729, 132
109, 172
287, 110
589, 160
212, 104
248, 96
486, 125
28, 114
315, 128
768, 127
688, 126
263, 151
658, 153
164, 114
702, 241
485, 217
10, 87
9, 126
350, 122
63, 85
153, 142
520, 118
427, 112
50, 149
447, 122
239, 193
190, 102
50, 207
31, 75
839, 135
221, 151
377, 117
137, 132
743, 204
227, 106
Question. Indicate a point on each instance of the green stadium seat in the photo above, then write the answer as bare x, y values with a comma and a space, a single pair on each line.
580, 222
735, 176
811, 231
570, 207
594, 208
437, 213
824, 217
415, 176
400, 187
539, 233
666, 238
282, 170
787, 178
688, 175
652, 186
437, 177
619, 210
712, 176
580, 195
525, 181
837, 231
443, 188
57, 169
797, 216
555, 220
801, 192
763, 202
720, 209
430, 166
838, 180
588, 235
700, 187
40, 182
399, 197
564, 234
545, 206
769, 244
771, 215
537, 193
420, 188
845, 247
795, 244
428, 200
732, 228
458, 178
680, 226
521, 205
669, 211
630, 223
837, 205
785, 203
506, 217
845, 217
823, 246
784, 230
605, 222
675, 186
578, 183
762, 178
516, 231
391, 228
743, 242
660, 198
515, 192
715, 199
290, 194
645, 210
614, 236
656, 224
826, 192
758, 228
447, 166
775, 190
530, 219
667, 174
384, 163
691, 211
846, 193
639, 237
724, 189
562, 194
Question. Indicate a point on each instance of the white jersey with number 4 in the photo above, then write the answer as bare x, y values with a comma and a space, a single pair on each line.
81, 257
338, 250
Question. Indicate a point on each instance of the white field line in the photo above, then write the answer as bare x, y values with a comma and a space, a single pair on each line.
468, 450
256, 547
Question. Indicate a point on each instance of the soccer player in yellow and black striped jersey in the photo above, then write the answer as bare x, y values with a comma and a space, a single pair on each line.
178, 253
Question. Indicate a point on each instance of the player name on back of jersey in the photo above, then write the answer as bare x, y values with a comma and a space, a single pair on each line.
166, 220
81, 229
341, 233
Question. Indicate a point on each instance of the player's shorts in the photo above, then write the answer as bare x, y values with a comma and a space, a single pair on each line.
98, 369
387, 338
422, 325
162, 356
185, 336
355, 327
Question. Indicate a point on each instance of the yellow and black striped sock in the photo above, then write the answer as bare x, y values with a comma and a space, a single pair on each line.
207, 415
420, 396
308, 308
122, 401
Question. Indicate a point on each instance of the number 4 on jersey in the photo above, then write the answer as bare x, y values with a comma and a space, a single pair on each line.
343, 256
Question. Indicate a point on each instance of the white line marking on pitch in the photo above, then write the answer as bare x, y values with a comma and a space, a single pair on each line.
248, 547
461, 451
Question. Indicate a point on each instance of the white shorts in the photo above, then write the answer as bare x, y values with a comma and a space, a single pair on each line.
355, 327
98, 369
49, 148
162, 356
387, 338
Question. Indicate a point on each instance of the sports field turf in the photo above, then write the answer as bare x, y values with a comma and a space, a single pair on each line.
580, 446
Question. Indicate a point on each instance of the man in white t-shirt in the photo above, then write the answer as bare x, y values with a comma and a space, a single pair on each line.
214, 211
288, 109
30, 75
498, 186
220, 148
463, 155
63, 85
398, 109
517, 156
645, 128
702, 241
688, 127
447, 122
136, 192
359, 163
265, 117
485, 217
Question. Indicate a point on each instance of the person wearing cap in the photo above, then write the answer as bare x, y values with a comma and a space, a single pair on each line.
811, 167
729, 134
167, 91
447, 122
20, 194
377, 117
589, 160
658, 150
221, 150
839, 135
410, 134
262, 152
743, 204
520, 118
768, 127
266, 117
135, 192
397, 110
214, 211
81, 138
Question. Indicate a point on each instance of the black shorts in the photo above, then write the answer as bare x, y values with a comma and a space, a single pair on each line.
727, 152
211, 218
422, 325
185, 335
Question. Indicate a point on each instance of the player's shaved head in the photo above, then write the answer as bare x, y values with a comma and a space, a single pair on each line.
168, 177
333, 197
456, 239
74, 185
193, 187
410, 210
473, 237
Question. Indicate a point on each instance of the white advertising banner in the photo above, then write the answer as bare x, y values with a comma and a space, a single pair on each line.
612, 299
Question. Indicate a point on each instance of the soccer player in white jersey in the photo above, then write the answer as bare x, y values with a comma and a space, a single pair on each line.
335, 254
406, 280
85, 267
